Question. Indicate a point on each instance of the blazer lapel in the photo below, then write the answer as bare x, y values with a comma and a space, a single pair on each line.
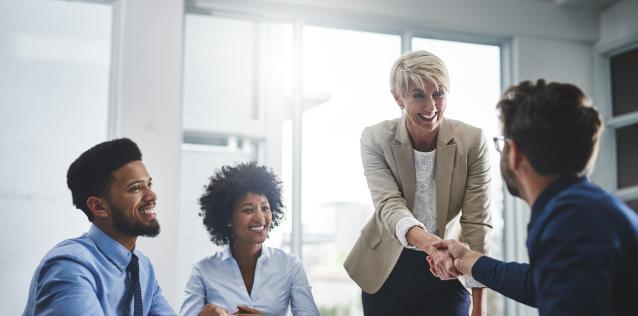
445, 154
404, 158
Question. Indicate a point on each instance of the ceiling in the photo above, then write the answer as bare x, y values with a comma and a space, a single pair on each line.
595, 5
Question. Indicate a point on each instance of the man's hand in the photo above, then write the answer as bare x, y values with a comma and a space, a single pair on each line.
213, 310
464, 257
441, 262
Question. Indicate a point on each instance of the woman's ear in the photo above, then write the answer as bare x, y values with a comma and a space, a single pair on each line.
397, 98
98, 206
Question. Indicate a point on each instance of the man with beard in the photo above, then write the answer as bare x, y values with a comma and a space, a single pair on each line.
101, 272
582, 241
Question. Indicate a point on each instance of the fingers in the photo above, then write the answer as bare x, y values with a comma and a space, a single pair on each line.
245, 310
443, 258
431, 264
439, 261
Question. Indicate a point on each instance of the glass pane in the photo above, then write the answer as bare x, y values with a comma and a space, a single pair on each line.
624, 68
219, 73
627, 155
236, 98
54, 87
346, 86
475, 85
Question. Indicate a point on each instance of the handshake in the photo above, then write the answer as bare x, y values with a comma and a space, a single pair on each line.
450, 259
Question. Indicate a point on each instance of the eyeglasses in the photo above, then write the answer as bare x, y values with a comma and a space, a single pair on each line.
499, 143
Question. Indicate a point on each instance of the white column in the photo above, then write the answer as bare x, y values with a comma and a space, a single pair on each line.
147, 98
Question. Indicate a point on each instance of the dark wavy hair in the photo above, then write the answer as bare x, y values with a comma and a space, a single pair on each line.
553, 125
231, 183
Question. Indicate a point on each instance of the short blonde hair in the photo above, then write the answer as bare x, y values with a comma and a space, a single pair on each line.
418, 66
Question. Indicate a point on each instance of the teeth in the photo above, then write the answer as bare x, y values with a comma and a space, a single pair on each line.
257, 228
148, 211
431, 116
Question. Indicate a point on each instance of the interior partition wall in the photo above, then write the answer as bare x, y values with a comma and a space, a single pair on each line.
55, 58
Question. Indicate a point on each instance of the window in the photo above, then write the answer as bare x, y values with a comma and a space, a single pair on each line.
236, 98
347, 71
238, 92
54, 86
624, 122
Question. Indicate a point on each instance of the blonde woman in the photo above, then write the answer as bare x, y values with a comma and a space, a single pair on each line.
425, 173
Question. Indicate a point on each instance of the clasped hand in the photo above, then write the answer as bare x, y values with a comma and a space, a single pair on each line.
450, 259
214, 310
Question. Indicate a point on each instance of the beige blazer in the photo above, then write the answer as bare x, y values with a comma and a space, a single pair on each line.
462, 187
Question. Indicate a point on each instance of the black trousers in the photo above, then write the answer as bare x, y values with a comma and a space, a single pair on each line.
412, 290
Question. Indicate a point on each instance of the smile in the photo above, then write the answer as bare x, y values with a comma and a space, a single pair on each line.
257, 228
148, 211
427, 117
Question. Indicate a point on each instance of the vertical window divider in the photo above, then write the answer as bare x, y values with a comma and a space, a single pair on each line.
297, 107
115, 80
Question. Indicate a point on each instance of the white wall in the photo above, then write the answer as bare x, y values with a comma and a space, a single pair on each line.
618, 24
149, 100
553, 60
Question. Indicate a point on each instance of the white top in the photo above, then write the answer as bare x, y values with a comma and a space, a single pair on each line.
424, 203
280, 282
424, 198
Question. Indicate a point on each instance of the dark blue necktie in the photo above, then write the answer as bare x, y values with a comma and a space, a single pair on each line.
134, 270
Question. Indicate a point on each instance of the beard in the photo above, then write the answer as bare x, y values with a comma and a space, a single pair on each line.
133, 227
508, 176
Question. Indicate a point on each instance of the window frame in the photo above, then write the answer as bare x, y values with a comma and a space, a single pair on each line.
608, 152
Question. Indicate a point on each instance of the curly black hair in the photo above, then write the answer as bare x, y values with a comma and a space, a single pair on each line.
231, 183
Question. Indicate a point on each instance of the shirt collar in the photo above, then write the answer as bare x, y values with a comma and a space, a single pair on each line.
266, 252
113, 250
552, 190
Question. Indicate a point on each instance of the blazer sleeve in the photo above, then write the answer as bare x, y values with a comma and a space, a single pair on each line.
475, 212
389, 205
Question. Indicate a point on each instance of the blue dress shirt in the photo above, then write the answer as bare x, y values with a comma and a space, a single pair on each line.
87, 276
583, 251
280, 281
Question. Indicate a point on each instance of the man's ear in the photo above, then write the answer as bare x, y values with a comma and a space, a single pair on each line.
98, 206
515, 156
397, 98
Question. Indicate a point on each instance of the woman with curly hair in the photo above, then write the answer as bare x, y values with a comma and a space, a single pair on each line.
240, 205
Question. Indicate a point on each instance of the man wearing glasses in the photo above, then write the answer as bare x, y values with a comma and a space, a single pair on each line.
582, 241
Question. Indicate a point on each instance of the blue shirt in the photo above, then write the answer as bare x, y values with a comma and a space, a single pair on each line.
280, 281
583, 251
87, 276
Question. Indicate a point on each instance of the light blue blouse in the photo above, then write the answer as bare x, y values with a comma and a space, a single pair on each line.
280, 281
